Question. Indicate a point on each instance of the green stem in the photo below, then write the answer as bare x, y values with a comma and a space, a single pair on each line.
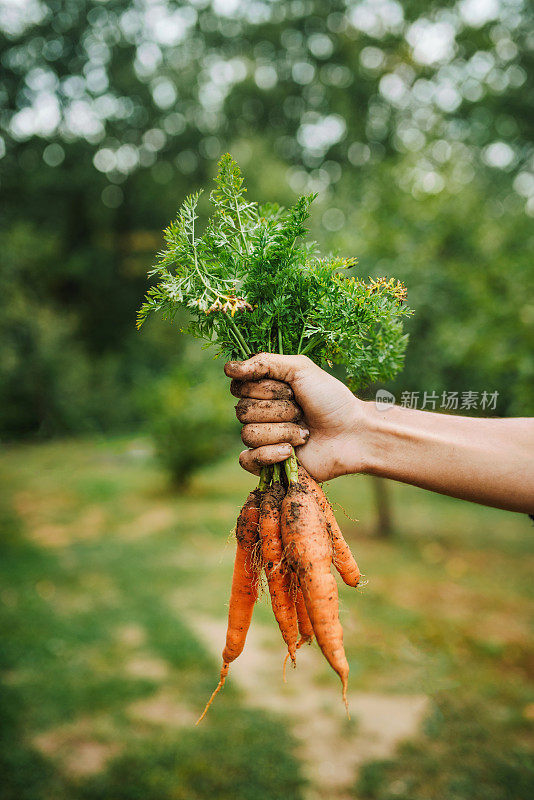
291, 468
242, 339
276, 474
237, 333
237, 343
280, 343
241, 231
301, 338
311, 344
265, 478
197, 268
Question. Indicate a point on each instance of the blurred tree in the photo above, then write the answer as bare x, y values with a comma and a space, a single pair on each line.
466, 262
50, 382
384, 514
408, 119
189, 417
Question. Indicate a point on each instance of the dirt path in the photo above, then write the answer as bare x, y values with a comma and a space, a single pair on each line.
330, 748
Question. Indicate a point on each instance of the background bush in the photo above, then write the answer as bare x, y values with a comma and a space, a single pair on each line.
190, 418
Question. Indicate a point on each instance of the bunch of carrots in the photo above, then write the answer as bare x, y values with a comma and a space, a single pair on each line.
287, 529
250, 283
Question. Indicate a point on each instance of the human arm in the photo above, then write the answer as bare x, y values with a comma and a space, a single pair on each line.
489, 461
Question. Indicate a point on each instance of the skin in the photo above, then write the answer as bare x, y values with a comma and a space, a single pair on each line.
488, 461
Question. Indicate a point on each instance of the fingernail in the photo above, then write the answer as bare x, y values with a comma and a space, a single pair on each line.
304, 432
284, 450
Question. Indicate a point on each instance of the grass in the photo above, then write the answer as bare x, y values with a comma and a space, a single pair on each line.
89, 632
448, 611
103, 567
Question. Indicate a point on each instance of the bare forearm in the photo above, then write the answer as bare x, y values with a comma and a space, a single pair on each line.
289, 401
489, 461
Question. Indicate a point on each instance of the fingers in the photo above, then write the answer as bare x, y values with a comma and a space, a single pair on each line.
248, 410
261, 390
267, 365
254, 460
261, 434
266, 407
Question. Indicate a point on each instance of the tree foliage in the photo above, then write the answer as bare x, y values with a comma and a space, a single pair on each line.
412, 121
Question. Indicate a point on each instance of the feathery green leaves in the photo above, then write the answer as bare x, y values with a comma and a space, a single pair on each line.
251, 283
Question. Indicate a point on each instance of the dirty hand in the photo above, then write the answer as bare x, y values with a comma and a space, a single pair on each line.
289, 401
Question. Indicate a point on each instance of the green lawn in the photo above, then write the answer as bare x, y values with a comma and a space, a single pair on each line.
104, 672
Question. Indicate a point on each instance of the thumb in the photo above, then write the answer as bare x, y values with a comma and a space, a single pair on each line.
266, 365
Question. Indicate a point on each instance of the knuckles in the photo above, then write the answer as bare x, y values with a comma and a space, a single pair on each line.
266, 389
236, 387
249, 460
249, 435
250, 410
244, 460
243, 408
231, 367
260, 434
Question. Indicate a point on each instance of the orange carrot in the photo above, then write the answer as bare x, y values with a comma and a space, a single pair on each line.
309, 553
305, 626
343, 559
244, 588
276, 570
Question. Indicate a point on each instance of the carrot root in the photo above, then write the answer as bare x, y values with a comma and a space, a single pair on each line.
346, 702
244, 592
292, 535
343, 559
276, 570
284, 678
304, 624
222, 679
308, 553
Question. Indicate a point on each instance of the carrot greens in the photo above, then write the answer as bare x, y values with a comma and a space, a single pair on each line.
251, 282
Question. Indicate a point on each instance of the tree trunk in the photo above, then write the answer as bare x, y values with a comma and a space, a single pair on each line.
384, 519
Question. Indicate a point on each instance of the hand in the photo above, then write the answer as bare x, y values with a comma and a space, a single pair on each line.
289, 401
